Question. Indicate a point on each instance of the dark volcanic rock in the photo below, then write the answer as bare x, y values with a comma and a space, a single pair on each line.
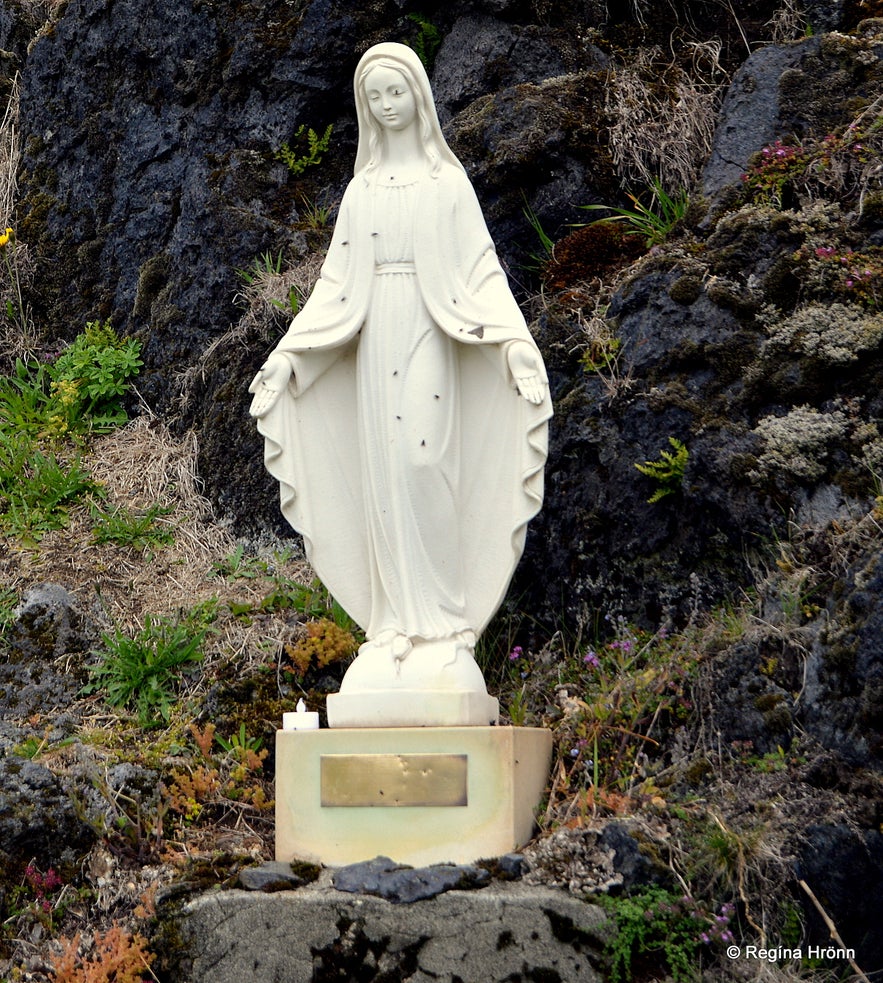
145, 190
48, 624
833, 861
270, 876
843, 702
401, 885
37, 816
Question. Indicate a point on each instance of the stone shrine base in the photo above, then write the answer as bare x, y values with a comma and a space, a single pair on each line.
419, 795
504, 932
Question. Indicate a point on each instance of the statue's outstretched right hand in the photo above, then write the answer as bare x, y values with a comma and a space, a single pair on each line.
273, 376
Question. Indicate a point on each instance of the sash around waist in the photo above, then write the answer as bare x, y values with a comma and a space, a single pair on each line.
382, 268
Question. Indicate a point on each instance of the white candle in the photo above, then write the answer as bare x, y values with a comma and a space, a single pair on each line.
301, 719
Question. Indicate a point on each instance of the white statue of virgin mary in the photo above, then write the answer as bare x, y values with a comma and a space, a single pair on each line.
405, 415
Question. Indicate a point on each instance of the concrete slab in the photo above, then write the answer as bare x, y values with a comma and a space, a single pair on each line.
505, 932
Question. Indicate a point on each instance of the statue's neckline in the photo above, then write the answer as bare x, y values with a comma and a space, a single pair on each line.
392, 181
399, 176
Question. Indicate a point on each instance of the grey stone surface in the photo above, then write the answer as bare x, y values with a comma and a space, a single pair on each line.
750, 116
37, 816
271, 876
506, 932
48, 624
482, 55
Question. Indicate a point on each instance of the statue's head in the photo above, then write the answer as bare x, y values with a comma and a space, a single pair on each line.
399, 58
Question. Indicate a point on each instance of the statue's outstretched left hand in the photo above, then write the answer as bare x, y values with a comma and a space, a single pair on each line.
527, 370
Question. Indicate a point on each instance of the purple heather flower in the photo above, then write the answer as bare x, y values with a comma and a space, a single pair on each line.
516, 653
591, 658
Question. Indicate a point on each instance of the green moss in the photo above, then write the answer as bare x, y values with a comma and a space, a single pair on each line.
152, 278
872, 208
778, 719
768, 702
698, 771
686, 289
732, 296
306, 871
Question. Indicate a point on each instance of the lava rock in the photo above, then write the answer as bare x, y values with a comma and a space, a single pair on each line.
270, 876
402, 885
37, 816
48, 623
832, 861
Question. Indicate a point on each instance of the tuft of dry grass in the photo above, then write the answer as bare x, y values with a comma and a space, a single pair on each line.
10, 153
17, 336
138, 466
788, 23
663, 118
265, 297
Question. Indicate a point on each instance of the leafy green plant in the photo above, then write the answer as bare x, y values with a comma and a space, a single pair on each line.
313, 215
239, 743
32, 747
37, 488
309, 149
517, 708
42, 403
26, 407
262, 266
428, 40
668, 471
311, 601
128, 527
601, 353
654, 222
238, 566
143, 672
657, 928
93, 373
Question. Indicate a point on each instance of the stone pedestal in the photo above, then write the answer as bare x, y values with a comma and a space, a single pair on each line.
419, 795
501, 933
436, 683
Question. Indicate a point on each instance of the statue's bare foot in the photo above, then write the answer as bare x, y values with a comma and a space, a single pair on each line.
400, 647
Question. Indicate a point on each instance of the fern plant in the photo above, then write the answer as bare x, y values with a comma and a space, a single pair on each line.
668, 471
427, 41
298, 160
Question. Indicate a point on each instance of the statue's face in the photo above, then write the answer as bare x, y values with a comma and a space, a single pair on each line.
390, 98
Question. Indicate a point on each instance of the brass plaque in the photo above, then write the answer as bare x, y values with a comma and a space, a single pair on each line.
393, 779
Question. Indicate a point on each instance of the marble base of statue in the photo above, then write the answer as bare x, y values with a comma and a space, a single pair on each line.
419, 795
402, 683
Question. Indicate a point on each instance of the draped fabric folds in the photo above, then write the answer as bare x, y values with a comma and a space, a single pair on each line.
405, 456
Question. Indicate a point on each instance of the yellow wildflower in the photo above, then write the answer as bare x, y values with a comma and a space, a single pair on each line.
67, 390
7, 237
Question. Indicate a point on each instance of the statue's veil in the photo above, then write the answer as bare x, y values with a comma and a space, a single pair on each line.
389, 54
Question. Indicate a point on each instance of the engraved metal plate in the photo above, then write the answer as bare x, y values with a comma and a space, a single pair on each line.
393, 779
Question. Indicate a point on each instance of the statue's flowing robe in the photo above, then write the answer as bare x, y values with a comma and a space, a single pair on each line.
337, 488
